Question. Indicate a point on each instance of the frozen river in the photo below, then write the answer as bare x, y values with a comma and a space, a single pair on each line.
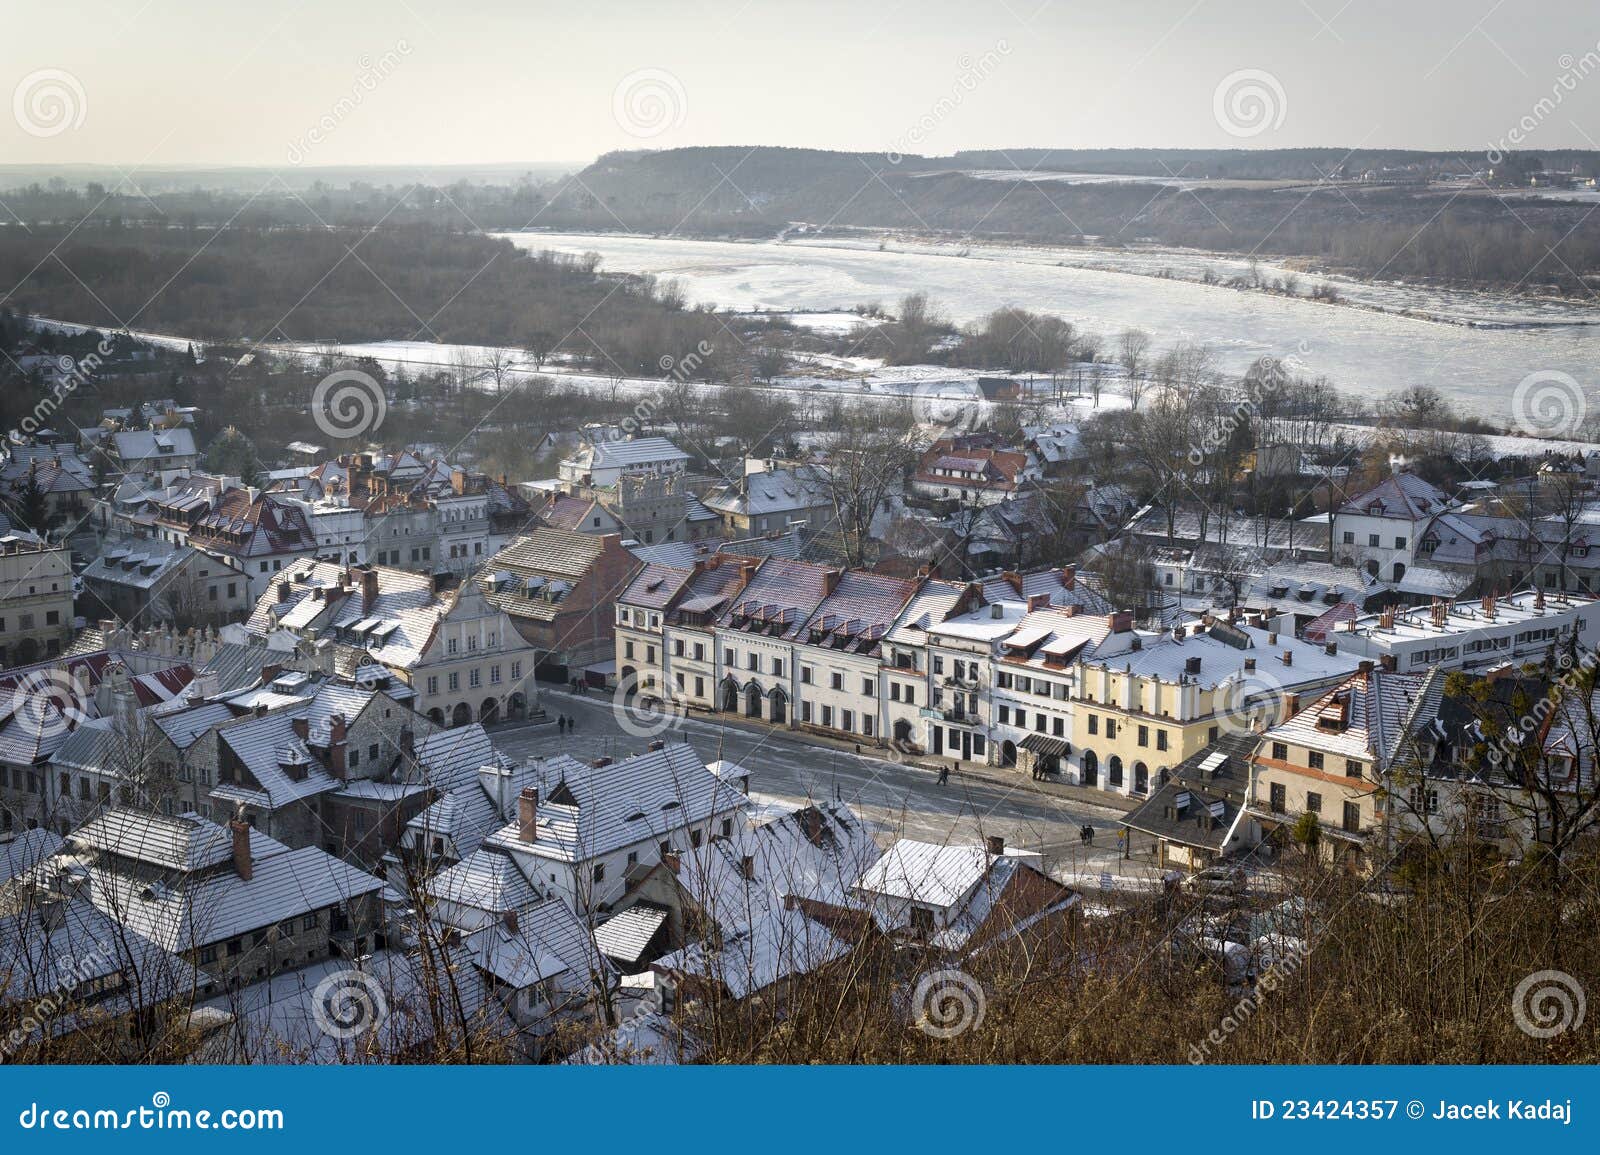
1474, 347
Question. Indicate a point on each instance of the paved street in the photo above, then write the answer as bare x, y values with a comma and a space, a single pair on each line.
901, 799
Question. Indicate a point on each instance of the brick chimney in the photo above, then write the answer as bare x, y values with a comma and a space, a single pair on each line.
284, 590
270, 672
1388, 663
369, 588
996, 844
1122, 621
241, 847
336, 745
830, 579
1013, 579
302, 728
747, 867
528, 814
1069, 577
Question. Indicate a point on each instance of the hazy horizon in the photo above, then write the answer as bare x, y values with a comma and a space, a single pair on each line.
362, 83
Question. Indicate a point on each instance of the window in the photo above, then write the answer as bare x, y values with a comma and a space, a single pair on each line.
753, 662
868, 688
208, 954
516, 670
1349, 537
633, 858
777, 667
599, 872
1372, 539
1094, 723
1161, 739
1399, 543
1313, 802
372, 752
1314, 759
1352, 768
433, 684
727, 657
627, 649
1352, 817
1280, 799
727, 828
805, 675
494, 675
1424, 800
1280, 752
694, 839
836, 680
849, 720
454, 681
474, 677
309, 922
1144, 735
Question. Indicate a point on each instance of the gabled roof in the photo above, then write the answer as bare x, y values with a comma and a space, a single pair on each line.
1402, 495
620, 804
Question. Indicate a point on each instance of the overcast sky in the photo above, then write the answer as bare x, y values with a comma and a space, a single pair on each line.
333, 82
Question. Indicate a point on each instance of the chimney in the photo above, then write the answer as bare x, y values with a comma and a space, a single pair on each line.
671, 860
1364, 667
811, 825
336, 744
528, 814
283, 592
1038, 602
1331, 648
369, 588
270, 672
1191, 665
302, 728
747, 867
1122, 621
1387, 661
1069, 577
510, 920
600, 763
458, 480
1288, 657
1012, 579
1291, 704
241, 847
830, 579
1249, 665
996, 844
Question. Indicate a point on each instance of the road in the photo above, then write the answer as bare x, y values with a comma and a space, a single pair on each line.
899, 799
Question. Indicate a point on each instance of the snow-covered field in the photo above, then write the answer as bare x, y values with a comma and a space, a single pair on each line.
1475, 347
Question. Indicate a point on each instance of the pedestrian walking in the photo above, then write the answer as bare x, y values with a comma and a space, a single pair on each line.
944, 775
561, 723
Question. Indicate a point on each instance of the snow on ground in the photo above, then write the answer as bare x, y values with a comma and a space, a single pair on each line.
1491, 343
